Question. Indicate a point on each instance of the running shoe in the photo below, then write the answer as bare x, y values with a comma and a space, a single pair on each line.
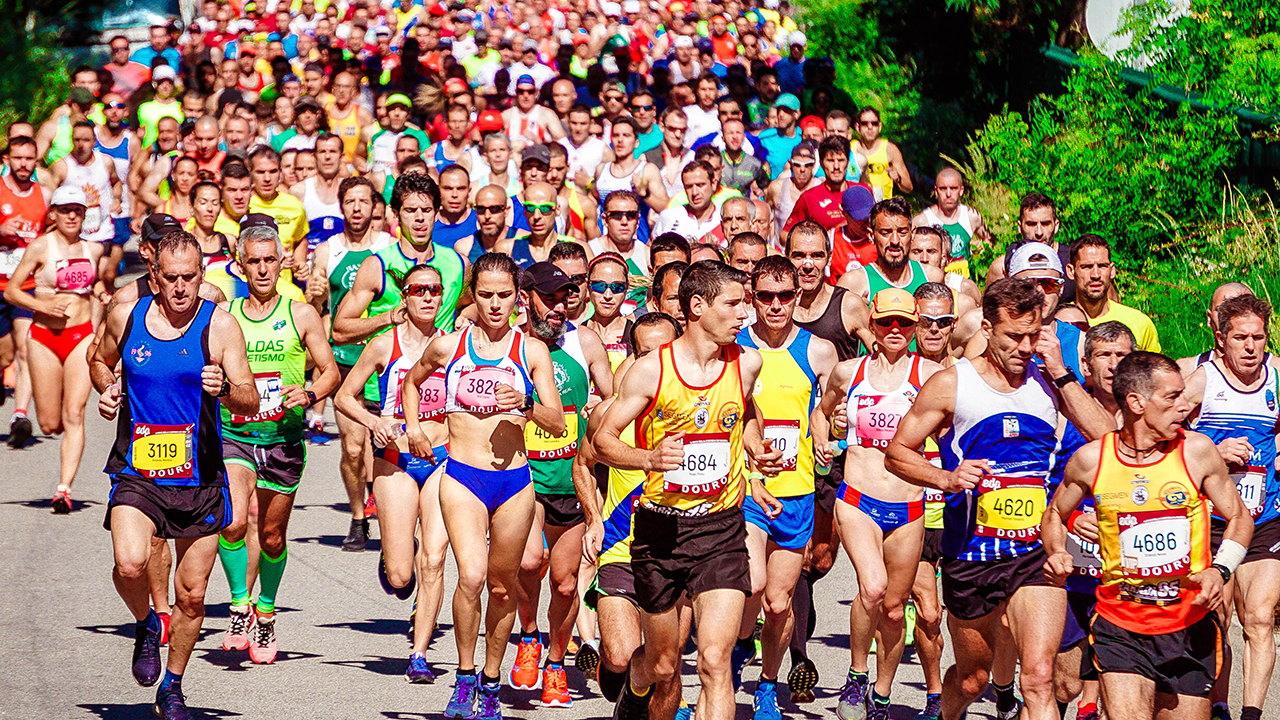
402, 593
463, 702
854, 699
555, 688
910, 613
170, 705
62, 500
146, 651
19, 432
571, 648
1220, 711
237, 637
262, 645
765, 702
317, 435
490, 707
370, 507
524, 675
631, 707
587, 660
738, 660
933, 708
1016, 711
801, 681
164, 630
418, 672
684, 712
876, 712
357, 536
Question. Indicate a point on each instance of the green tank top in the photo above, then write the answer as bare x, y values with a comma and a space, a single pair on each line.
342, 276
448, 262
277, 358
551, 457
877, 282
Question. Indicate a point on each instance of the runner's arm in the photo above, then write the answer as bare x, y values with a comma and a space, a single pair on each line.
597, 361
349, 398
928, 414
635, 392
227, 351
899, 166
657, 192
13, 292
857, 319
103, 362
325, 382
348, 326
434, 357
1077, 404
317, 291
1065, 501
148, 190
547, 412
1203, 461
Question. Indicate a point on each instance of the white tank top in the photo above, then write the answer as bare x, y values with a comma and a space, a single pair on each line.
586, 158
786, 204
873, 413
481, 173
96, 184
1227, 412
964, 217
431, 391
119, 155
313, 206
470, 380
609, 183
525, 125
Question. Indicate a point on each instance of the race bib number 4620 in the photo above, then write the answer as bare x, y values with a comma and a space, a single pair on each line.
1010, 508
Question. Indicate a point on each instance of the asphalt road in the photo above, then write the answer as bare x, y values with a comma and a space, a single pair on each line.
66, 638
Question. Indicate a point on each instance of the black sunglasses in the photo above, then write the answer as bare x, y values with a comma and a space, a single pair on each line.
624, 214
490, 209
888, 322
767, 297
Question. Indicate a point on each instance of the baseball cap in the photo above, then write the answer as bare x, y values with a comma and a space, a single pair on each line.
157, 225
856, 201
529, 45
1034, 256
382, 31
246, 48
489, 120
274, 37
580, 38
611, 9
539, 153
631, 7
526, 80
805, 149
438, 10
797, 38
894, 302
163, 72
454, 84
253, 220
68, 195
789, 101
81, 96
290, 78
399, 99
544, 277
810, 121
308, 102
684, 41
704, 45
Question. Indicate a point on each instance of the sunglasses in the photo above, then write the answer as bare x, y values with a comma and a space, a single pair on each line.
116, 106
545, 209
526, 91
600, 286
942, 321
124, 48
624, 214
615, 98
802, 165
578, 279
424, 290
641, 108
766, 297
490, 209
895, 321
1049, 284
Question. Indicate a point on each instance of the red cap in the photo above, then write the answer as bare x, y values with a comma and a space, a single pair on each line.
438, 10
490, 120
809, 121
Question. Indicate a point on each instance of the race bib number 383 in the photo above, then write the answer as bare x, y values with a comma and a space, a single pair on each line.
162, 451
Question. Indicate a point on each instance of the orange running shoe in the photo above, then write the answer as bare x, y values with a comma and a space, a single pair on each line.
555, 687
524, 676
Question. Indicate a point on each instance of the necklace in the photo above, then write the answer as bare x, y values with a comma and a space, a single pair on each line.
1137, 451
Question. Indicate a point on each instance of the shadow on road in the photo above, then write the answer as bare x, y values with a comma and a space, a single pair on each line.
143, 710
46, 505
126, 630
382, 626
375, 664
373, 545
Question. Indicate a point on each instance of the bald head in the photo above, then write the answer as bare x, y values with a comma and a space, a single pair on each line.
537, 194
206, 124
1223, 293
491, 195
949, 176
948, 188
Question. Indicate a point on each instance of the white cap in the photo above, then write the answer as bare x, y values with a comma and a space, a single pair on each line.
683, 41
163, 72
68, 195
611, 9
1034, 256
797, 38
772, 4
631, 6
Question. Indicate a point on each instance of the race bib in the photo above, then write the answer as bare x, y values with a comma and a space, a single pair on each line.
1252, 485
934, 496
430, 396
162, 451
542, 445
476, 386
785, 435
705, 470
1155, 543
270, 399
92, 220
74, 275
1084, 557
9, 260
1010, 508
876, 418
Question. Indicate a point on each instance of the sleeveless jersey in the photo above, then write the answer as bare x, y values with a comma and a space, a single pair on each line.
437, 160
524, 125
608, 183
1227, 412
431, 390
1087, 570
277, 358
119, 155
30, 210
876, 281
520, 250
619, 504
713, 475
960, 229
1154, 532
784, 404
342, 268
786, 203
551, 456
347, 128
874, 414
470, 380
1016, 433
168, 430
830, 326
876, 165
393, 260
324, 220
96, 184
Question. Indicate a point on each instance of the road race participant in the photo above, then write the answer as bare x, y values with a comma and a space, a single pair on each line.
688, 531
486, 493
264, 451
94, 174
607, 282
182, 358
287, 210
786, 189
580, 365
65, 269
879, 161
1232, 403
795, 368
373, 304
408, 487
995, 418
1221, 294
1094, 274
926, 248
890, 223
880, 516
1157, 642
1038, 222
319, 193
962, 223
621, 213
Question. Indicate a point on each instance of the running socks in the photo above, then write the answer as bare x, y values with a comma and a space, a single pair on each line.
1005, 699
747, 644
530, 637
863, 677
171, 680
270, 571
610, 682
1250, 713
881, 701
235, 564
486, 680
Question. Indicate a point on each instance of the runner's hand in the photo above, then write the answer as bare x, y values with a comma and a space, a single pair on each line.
840, 420
967, 476
1210, 582
592, 542
58, 307
11, 227
669, 454
211, 379
399, 314
1086, 527
770, 461
1235, 451
822, 453
1057, 567
771, 505
295, 396
385, 432
109, 402
507, 398
590, 406
1048, 348
419, 445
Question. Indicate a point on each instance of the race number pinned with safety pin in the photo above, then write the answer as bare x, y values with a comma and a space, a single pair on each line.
705, 470
162, 451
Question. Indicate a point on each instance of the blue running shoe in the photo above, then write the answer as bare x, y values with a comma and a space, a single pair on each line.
741, 656
932, 708
684, 712
418, 671
853, 699
490, 707
766, 702
146, 651
170, 705
463, 702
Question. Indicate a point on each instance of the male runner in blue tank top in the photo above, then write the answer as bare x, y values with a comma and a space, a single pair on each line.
181, 357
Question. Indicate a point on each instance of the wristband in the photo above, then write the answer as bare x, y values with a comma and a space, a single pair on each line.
1071, 521
1065, 380
311, 398
753, 476
1230, 555
226, 389
528, 404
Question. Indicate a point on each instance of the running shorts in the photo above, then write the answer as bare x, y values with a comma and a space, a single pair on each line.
792, 529
177, 512
562, 511
888, 515
674, 555
419, 469
616, 579
1184, 662
278, 466
932, 550
1080, 611
971, 590
1265, 544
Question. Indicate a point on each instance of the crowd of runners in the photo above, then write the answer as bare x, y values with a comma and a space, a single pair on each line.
671, 333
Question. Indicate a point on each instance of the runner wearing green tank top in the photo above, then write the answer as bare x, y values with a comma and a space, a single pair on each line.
890, 223
372, 305
580, 364
265, 450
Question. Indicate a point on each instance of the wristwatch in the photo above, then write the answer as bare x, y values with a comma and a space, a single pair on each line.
1226, 574
311, 398
528, 404
1065, 380
226, 389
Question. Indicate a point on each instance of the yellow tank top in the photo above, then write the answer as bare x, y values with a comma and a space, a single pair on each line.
1154, 533
347, 128
878, 171
619, 502
712, 477
784, 403
934, 499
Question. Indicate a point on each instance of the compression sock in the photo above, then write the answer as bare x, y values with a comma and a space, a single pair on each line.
610, 682
1062, 709
801, 600
747, 643
17, 413
235, 564
881, 701
1250, 713
270, 571
171, 680
1005, 700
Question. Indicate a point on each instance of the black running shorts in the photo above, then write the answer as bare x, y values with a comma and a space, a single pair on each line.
674, 555
1265, 544
971, 590
562, 511
177, 512
1185, 662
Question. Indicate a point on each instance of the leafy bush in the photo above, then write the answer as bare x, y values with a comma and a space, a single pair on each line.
37, 82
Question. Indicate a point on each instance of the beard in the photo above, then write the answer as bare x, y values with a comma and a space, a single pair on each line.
115, 126
895, 263
547, 330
